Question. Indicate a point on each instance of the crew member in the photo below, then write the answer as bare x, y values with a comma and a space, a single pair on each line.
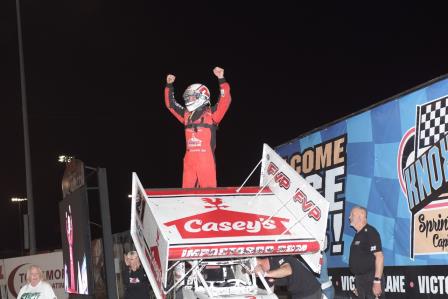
366, 257
301, 283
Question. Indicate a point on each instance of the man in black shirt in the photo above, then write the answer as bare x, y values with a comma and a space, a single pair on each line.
135, 280
301, 283
366, 257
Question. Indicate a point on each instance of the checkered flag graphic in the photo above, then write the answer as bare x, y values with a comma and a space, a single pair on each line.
432, 123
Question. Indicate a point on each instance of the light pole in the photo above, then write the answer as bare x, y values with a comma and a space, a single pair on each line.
26, 139
23, 230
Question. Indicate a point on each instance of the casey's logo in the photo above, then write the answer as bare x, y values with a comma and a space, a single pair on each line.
225, 223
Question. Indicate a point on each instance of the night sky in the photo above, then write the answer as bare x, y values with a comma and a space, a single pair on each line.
96, 69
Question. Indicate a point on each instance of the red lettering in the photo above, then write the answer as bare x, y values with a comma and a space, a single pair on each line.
315, 213
282, 180
272, 169
307, 206
299, 196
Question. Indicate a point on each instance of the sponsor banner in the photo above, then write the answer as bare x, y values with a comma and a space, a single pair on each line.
51, 265
431, 229
242, 250
400, 282
391, 159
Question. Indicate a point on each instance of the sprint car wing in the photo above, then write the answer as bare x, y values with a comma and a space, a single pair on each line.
284, 216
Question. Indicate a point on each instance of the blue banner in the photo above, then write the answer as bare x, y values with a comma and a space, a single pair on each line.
391, 159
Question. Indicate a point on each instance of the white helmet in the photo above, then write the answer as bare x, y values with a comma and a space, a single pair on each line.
195, 96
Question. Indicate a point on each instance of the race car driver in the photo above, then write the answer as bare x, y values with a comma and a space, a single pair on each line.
201, 121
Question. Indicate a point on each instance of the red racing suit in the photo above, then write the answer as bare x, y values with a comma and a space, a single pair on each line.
200, 136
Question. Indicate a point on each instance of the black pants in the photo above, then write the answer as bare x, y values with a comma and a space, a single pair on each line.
315, 295
364, 284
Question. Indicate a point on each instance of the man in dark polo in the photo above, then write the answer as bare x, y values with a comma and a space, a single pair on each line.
366, 257
301, 283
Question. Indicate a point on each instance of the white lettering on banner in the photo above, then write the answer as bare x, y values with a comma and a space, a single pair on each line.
334, 186
331, 186
196, 226
433, 284
242, 250
226, 251
395, 284
347, 283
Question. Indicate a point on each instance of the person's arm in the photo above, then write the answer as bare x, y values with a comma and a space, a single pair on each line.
375, 244
284, 270
221, 107
170, 101
379, 266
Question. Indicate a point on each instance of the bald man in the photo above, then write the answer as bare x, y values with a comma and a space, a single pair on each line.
366, 257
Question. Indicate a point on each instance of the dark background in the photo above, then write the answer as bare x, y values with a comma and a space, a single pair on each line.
95, 72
